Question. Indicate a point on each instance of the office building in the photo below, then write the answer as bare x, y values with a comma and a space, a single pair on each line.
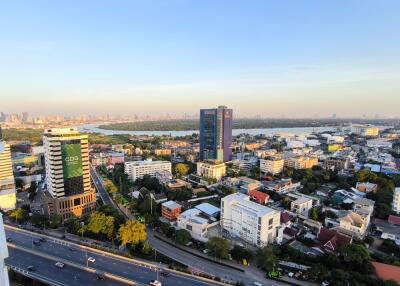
211, 170
69, 192
216, 134
138, 169
253, 223
8, 198
272, 165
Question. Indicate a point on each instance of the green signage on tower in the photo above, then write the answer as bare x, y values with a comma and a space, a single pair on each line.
71, 160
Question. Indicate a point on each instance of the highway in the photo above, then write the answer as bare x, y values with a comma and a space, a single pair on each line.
98, 182
105, 262
47, 272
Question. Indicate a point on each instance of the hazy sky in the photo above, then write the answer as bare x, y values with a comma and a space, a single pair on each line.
298, 58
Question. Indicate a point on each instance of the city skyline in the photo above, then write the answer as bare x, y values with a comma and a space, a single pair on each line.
299, 60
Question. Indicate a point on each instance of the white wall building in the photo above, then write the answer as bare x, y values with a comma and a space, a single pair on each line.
138, 169
8, 197
3, 255
249, 221
211, 170
272, 164
396, 201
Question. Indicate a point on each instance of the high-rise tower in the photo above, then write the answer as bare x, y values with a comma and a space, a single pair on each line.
216, 134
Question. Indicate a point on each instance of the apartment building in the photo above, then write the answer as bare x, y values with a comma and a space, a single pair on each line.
272, 165
396, 201
210, 169
8, 197
138, 169
301, 162
249, 221
365, 130
170, 210
69, 191
301, 205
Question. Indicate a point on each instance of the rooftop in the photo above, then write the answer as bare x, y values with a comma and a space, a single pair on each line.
244, 202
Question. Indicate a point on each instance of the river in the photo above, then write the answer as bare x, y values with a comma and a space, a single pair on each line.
94, 128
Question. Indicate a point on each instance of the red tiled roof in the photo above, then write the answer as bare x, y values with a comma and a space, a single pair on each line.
285, 217
387, 272
394, 219
332, 240
260, 197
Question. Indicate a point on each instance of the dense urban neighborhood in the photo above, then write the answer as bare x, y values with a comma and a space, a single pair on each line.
317, 208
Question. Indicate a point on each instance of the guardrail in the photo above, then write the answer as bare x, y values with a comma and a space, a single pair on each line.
115, 256
35, 276
75, 265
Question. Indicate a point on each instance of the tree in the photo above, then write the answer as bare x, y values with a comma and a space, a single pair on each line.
100, 223
182, 236
240, 253
132, 232
356, 257
181, 170
18, 214
313, 214
266, 258
218, 247
54, 221
32, 190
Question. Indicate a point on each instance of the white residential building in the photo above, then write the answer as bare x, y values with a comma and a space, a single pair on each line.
272, 165
8, 197
301, 205
211, 170
138, 169
396, 201
196, 223
249, 221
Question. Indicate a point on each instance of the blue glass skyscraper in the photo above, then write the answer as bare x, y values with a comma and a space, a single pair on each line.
216, 134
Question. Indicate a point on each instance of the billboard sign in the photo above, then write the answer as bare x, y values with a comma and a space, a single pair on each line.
71, 160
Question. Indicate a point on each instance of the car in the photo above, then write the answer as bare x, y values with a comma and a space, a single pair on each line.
325, 283
257, 284
155, 283
72, 249
59, 265
274, 274
42, 239
31, 268
91, 259
165, 274
36, 242
290, 274
9, 239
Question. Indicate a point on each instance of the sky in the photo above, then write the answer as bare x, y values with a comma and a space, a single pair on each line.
269, 58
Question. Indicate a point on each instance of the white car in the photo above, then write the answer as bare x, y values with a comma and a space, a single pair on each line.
155, 283
91, 259
257, 284
59, 264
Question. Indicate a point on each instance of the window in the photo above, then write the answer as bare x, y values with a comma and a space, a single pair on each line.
271, 221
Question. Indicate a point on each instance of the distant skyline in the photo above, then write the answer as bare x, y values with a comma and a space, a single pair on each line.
268, 58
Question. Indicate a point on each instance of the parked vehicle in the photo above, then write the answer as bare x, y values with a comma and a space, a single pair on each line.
31, 268
155, 283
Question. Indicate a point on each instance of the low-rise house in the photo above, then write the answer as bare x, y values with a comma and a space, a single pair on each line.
331, 240
171, 210
259, 197
366, 187
389, 229
283, 186
353, 224
301, 205
245, 185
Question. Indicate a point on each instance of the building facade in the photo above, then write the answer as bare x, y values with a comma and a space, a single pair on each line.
216, 134
8, 197
67, 173
3, 255
249, 221
138, 169
171, 210
211, 170
272, 165
396, 201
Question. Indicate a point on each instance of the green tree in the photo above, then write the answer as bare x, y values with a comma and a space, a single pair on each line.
132, 233
181, 170
54, 221
182, 236
240, 253
32, 190
218, 247
18, 214
266, 258
313, 214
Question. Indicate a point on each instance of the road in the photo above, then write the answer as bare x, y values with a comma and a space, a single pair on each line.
104, 262
249, 277
47, 272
